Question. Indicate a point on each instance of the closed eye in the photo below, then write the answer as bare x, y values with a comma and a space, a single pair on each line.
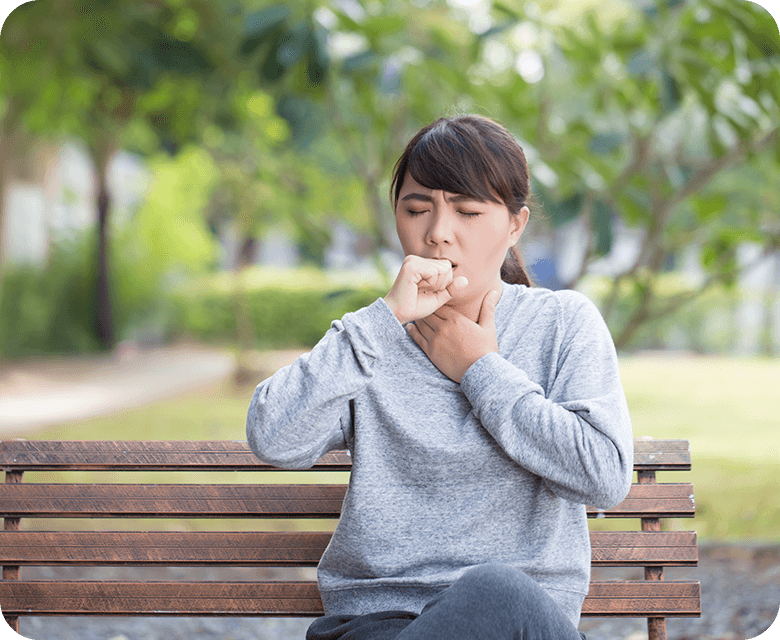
415, 213
470, 214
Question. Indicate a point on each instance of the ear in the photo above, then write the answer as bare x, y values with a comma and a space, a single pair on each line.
517, 225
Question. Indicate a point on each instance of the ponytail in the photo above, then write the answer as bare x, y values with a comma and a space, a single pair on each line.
513, 270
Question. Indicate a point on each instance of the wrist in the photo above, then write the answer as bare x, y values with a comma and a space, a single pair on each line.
393, 306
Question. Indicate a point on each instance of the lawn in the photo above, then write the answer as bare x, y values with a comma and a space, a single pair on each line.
724, 406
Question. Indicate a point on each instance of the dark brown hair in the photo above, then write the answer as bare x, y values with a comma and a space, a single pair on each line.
474, 156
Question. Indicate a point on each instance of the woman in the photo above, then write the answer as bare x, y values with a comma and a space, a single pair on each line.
482, 415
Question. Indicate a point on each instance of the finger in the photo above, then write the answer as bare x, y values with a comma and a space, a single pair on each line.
441, 297
458, 283
445, 275
487, 312
420, 339
426, 327
426, 275
445, 313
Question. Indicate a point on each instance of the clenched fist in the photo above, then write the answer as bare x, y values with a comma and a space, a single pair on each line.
421, 287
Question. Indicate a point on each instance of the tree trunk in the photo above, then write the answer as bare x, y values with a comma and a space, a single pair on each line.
104, 329
245, 330
246, 252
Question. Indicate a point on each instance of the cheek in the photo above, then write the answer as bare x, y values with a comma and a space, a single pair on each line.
491, 243
407, 234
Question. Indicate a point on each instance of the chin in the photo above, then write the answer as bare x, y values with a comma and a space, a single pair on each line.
463, 295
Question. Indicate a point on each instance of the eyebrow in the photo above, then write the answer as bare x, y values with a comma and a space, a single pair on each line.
457, 197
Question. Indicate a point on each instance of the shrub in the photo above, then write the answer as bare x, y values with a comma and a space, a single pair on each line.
280, 317
50, 309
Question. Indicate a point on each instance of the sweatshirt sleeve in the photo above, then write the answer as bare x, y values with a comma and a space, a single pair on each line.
579, 437
302, 411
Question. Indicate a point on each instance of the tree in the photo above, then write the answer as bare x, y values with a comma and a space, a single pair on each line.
37, 99
151, 67
635, 122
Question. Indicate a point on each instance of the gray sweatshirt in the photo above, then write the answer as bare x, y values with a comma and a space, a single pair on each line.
446, 476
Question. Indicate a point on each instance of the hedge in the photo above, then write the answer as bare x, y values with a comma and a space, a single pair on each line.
280, 317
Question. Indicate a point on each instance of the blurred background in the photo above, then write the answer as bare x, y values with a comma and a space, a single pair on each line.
191, 190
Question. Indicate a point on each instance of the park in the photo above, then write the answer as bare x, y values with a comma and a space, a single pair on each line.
192, 192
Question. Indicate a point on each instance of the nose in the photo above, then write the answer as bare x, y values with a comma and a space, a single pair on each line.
439, 229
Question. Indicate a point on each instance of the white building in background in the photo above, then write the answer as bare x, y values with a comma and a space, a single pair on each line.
344, 255
279, 249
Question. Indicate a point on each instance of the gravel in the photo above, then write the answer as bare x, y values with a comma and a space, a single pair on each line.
740, 600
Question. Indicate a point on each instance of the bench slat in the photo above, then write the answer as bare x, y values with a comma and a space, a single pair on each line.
138, 455
163, 548
260, 501
662, 598
88, 597
635, 599
171, 500
278, 549
660, 455
45, 455
644, 548
663, 500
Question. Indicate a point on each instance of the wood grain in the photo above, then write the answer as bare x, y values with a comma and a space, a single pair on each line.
281, 549
171, 500
163, 455
260, 501
633, 599
651, 548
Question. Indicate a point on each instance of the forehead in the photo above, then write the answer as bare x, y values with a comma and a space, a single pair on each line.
413, 190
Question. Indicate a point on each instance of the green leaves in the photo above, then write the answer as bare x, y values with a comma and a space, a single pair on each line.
317, 60
604, 143
602, 225
281, 40
262, 26
709, 206
566, 211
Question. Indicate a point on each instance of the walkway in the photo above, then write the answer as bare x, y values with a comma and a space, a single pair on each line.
36, 393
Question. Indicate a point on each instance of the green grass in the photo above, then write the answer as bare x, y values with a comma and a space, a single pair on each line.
724, 406
727, 408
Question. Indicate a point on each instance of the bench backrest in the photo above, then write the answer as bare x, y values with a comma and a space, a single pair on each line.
50, 497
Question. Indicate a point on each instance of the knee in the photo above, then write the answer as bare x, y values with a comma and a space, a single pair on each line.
498, 581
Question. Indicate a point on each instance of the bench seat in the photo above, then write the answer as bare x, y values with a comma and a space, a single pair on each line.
650, 549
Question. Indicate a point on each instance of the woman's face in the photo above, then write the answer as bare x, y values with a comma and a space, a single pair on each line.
473, 235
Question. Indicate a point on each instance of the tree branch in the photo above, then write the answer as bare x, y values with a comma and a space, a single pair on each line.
710, 170
646, 314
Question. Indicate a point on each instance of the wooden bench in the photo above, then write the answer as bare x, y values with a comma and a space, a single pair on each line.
49, 499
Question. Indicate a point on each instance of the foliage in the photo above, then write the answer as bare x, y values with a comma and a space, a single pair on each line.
152, 64
641, 122
281, 315
659, 116
705, 325
50, 310
630, 117
164, 241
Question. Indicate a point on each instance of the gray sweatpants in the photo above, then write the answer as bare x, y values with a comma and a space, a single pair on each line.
490, 602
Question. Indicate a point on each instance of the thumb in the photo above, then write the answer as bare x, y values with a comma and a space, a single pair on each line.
487, 313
